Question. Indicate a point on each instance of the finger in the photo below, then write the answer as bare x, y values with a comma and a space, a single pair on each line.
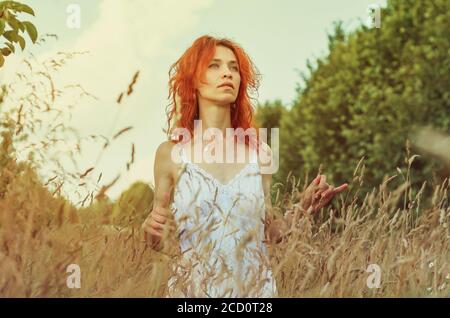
327, 192
158, 229
159, 218
313, 185
327, 197
341, 188
319, 191
155, 233
156, 225
169, 225
161, 211
316, 181
149, 227
323, 180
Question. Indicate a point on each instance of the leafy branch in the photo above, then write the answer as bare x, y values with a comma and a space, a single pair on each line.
11, 27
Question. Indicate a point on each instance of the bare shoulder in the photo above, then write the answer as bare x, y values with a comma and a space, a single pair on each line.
165, 147
167, 150
163, 157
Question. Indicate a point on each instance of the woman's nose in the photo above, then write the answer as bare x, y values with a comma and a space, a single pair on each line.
227, 74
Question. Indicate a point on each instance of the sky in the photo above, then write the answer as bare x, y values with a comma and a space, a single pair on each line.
121, 37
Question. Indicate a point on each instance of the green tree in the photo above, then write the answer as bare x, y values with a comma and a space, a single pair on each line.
366, 97
269, 114
11, 27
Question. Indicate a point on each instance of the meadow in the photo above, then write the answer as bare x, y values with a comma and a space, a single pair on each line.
401, 230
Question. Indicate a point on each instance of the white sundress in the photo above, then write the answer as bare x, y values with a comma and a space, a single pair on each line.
221, 231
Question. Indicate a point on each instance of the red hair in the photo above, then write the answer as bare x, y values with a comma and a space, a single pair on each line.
190, 68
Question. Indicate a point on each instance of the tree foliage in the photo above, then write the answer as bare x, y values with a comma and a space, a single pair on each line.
12, 29
268, 116
372, 90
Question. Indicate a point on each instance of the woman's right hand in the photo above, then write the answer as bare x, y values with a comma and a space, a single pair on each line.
156, 223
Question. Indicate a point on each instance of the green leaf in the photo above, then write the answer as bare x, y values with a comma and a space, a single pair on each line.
2, 26
13, 23
24, 8
21, 42
6, 14
11, 47
11, 36
21, 27
31, 30
2, 60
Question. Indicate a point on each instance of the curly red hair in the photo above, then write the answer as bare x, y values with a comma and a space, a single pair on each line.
190, 68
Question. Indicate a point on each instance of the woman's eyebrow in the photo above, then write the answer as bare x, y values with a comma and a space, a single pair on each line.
219, 60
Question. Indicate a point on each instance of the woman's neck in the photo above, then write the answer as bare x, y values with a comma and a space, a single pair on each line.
214, 115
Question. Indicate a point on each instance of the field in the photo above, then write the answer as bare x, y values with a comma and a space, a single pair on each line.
400, 232
41, 234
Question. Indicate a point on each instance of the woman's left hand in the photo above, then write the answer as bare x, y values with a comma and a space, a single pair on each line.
319, 193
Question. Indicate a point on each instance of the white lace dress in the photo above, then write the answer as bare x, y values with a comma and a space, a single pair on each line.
221, 232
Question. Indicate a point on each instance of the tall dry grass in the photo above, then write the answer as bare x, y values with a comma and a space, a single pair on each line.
325, 255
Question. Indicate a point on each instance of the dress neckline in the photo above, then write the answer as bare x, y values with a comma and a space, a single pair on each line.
208, 175
217, 181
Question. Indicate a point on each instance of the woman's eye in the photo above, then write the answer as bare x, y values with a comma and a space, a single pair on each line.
214, 65
236, 68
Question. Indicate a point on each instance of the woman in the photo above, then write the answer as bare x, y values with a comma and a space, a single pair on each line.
219, 208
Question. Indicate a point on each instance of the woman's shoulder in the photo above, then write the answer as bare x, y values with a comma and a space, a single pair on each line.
167, 159
164, 152
165, 147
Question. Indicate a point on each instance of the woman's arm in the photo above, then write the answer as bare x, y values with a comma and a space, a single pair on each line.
274, 229
158, 220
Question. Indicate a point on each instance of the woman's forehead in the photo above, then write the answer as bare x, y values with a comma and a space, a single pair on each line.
224, 54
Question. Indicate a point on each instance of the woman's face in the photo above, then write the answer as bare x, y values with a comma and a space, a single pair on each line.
222, 69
